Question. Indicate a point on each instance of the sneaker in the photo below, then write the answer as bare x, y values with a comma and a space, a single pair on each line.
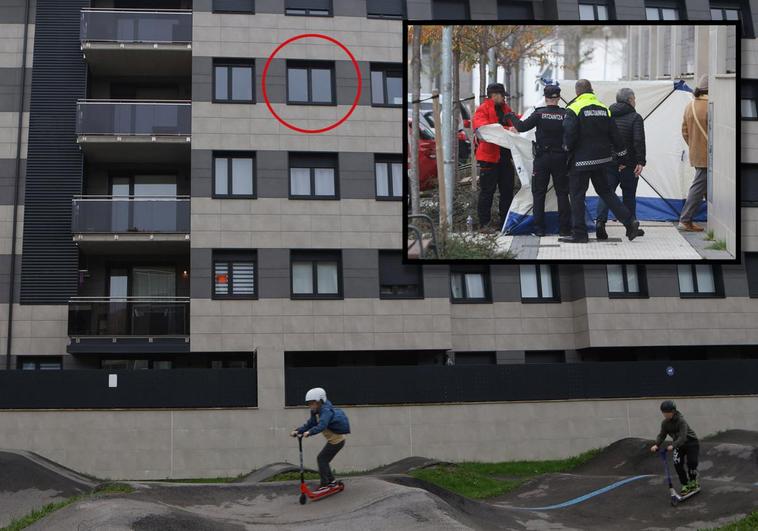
631, 229
600, 232
690, 227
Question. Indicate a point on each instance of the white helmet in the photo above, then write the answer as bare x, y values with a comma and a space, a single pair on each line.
317, 394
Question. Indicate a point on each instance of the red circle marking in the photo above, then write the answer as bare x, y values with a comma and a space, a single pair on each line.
357, 93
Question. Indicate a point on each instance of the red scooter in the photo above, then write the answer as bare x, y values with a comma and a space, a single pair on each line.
305, 492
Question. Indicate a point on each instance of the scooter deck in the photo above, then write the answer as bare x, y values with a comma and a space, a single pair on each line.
320, 494
677, 498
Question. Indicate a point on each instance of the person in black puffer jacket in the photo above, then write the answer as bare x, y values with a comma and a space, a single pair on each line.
627, 169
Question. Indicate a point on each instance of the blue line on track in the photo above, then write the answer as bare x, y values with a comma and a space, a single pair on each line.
585, 497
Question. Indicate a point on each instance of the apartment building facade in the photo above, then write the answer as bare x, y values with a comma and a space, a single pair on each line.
165, 220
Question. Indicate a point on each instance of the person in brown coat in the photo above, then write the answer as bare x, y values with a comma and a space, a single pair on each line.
695, 133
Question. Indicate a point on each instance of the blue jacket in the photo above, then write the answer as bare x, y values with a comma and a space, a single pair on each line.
329, 417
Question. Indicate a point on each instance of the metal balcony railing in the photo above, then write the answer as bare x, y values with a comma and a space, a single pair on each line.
100, 214
128, 316
134, 118
136, 26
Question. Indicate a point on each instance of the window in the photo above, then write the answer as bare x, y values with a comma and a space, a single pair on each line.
234, 274
386, 85
626, 281
233, 81
539, 283
314, 8
132, 365
751, 269
594, 10
734, 10
398, 280
310, 83
470, 284
316, 274
48, 363
662, 10
234, 6
699, 281
313, 176
233, 174
512, 10
749, 180
748, 109
450, 10
388, 171
386, 9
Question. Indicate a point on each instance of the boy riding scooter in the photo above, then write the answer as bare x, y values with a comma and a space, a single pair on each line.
685, 446
330, 421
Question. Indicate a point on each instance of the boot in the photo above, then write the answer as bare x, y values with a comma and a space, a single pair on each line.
632, 229
600, 232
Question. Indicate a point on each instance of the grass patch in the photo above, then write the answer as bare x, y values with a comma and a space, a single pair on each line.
42, 512
293, 476
749, 523
717, 245
486, 480
709, 235
230, 479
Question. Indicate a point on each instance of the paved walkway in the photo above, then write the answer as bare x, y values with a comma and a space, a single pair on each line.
662, 241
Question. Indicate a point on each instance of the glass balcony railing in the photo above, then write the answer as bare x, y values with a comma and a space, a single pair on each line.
112, 214
134, 118
135, 26
128, 316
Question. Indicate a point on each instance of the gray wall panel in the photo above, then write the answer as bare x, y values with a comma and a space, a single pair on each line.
360, 273
8, 180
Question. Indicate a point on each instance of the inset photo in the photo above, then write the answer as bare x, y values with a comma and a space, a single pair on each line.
573, 143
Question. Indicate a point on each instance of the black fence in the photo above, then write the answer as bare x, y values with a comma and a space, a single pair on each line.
495, 383
89, 389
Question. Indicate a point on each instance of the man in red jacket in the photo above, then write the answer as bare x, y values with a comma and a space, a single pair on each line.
495, 162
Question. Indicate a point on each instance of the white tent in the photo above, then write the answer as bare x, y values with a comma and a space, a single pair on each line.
665, 181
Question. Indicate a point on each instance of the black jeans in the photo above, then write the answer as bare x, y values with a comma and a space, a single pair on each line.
545, 165
325, 457
494, 176
688, 452
579, 181
628, 181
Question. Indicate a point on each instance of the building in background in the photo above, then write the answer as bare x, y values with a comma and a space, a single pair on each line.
164, 220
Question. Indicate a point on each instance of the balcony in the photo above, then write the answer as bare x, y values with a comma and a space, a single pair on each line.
103, 325
158, 131
100, 219
137, 42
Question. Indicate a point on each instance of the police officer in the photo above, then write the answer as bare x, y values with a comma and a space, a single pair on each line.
495, 162
591, 138
549, 159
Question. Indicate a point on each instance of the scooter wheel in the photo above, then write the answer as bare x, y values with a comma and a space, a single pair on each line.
674, 502
302, 499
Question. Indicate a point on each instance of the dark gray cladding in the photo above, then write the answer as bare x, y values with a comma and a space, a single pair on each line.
54, 161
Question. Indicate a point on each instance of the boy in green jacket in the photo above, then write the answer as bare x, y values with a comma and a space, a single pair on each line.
685, 445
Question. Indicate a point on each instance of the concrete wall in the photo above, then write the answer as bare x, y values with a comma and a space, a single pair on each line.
210, 443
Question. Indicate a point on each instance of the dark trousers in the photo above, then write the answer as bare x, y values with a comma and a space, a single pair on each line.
491, 177
685, 461
579, 181
545, 165
325, 457
628, 181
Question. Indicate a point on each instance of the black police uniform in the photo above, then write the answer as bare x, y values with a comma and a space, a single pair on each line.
549, 159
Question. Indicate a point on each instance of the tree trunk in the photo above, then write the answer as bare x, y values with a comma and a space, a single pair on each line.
482, 67
413, 175
572, 42
456, 110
